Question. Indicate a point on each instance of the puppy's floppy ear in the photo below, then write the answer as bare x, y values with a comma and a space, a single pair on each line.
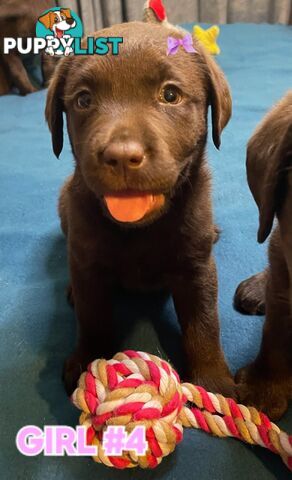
66, 11
46, 20
220, 96
266, 169
55, 107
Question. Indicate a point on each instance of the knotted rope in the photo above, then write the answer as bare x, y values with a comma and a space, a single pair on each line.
136, 388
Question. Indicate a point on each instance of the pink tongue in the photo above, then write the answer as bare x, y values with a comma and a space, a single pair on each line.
59, 33
132, 208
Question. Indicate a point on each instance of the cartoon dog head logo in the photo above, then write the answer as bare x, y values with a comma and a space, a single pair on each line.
60, 24
58, 21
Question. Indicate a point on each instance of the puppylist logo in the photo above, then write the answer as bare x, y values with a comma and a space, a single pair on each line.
58, 33
59, 27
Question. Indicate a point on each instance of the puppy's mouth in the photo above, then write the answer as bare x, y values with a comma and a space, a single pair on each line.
131, 207
59, 32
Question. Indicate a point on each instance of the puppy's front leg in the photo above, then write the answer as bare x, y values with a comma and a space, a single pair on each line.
18, 73
195, 299
93, 309
267, 382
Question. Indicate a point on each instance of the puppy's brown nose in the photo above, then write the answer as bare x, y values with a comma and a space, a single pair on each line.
124, 154
70, 21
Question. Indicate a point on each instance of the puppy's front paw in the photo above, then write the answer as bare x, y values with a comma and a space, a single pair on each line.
249, 297
216, 383
266, 394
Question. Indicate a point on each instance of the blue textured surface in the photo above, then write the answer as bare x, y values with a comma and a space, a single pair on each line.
37, 326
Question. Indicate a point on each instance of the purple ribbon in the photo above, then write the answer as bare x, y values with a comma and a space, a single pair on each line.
173, 44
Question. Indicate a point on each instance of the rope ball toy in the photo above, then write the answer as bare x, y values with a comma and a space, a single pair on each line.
137, 388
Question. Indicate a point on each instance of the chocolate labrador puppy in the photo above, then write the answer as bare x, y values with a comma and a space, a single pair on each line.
137, 211
267, 382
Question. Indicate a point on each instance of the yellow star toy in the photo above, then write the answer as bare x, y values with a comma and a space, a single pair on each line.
208, 38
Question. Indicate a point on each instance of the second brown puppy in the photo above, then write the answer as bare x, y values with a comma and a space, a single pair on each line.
267, 382
137, 211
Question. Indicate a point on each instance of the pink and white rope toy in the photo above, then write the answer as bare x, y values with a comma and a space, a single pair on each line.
137, 388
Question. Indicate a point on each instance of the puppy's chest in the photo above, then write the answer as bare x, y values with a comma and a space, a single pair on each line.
144, 268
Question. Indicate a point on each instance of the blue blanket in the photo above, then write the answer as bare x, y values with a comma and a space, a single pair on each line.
37, 326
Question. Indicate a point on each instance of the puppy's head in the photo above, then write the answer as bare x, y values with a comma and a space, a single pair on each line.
137, 121
58, 21
269, 163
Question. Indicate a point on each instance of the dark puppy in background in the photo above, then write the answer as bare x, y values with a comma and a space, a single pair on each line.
137, 211
18, 19
267, 382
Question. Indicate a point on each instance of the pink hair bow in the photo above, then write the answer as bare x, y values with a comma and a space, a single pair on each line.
173, 44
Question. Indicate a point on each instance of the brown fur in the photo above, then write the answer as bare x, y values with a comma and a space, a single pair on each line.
172, 248
267, 383
18, 19
4, 81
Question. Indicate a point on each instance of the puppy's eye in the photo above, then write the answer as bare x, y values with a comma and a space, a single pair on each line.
83, 100
63, 17
170, 94
57, 19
